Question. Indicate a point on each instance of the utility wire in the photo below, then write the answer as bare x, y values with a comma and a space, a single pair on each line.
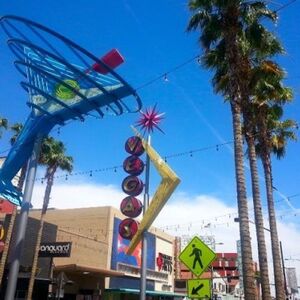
285, 5
165, 74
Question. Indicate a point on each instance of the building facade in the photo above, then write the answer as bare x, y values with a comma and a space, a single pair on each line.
98, 266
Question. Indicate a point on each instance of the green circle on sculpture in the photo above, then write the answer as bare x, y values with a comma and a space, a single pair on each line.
65, 93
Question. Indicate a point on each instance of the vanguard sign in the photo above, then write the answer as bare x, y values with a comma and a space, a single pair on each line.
55, 249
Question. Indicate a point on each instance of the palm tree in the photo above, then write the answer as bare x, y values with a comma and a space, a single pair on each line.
53, 157
273, 136
16, 128
258, 215
266, 85
232, 37
3, 125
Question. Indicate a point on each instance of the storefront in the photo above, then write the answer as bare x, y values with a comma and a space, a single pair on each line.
43, 273
98, 266
134, 294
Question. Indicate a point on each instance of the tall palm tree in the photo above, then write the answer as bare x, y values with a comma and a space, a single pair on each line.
53, 157
16, 129
258, 214
232, 35
266, 85
273, 136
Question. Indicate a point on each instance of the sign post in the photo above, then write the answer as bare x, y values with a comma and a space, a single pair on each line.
23, 218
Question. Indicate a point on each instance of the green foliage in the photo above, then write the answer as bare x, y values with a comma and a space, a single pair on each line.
16, 129
53, 155
3, 125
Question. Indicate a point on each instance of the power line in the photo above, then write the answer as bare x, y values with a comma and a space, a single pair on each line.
285, 5
165, 74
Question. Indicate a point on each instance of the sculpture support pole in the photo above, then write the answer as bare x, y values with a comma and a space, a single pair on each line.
22, 222
144, 240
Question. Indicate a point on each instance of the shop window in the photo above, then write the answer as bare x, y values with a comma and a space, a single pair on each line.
20, 294
180, 284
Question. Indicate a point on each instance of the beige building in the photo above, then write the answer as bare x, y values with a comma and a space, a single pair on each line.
98, 266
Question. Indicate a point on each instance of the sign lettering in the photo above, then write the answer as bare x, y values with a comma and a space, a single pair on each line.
133, 165
128, 228
134, 146
132, 185
164, 262
55, 249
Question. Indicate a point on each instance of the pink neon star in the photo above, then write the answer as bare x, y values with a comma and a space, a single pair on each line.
150, 119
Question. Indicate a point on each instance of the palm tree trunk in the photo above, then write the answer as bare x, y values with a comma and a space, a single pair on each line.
259, 223
49, 176
7, 243
10, 227
247, 261
35, 258
278, 273
238, 94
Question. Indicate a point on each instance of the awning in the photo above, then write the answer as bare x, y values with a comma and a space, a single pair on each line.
150, 293
80, 269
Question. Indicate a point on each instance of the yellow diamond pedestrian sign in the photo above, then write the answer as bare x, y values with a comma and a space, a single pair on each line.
197, 256
199, 288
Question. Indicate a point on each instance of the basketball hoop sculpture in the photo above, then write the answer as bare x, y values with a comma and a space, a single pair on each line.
64, 81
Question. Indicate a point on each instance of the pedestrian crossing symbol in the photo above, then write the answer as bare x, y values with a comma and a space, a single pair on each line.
199, 288
197, 256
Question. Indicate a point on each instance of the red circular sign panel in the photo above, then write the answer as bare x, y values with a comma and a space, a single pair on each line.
131, 207
134, 146
133, 165
128, 228
132, 185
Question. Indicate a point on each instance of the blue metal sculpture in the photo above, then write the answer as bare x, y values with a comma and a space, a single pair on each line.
64, 81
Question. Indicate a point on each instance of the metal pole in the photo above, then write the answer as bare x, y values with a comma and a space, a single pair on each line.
144, 240
283, 269
212, 281
22, 222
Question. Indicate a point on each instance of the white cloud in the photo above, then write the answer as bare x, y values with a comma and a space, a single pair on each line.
182, 215
78, 195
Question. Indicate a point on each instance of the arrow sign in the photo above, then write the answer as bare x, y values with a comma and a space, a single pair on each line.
196, 290
199, 288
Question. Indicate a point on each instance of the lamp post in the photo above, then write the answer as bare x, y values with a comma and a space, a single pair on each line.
143, 282
283, 269
212, 270
20, 234
281, 254
148, 121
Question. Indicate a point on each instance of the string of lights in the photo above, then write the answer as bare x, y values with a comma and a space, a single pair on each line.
191, 227
90, 172
211, 223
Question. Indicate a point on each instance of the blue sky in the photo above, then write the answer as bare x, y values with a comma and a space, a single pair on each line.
152, 38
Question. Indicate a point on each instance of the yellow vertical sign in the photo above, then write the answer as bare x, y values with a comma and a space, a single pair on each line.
165, 189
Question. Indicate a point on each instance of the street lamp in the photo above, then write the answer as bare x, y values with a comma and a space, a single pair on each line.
237, 220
